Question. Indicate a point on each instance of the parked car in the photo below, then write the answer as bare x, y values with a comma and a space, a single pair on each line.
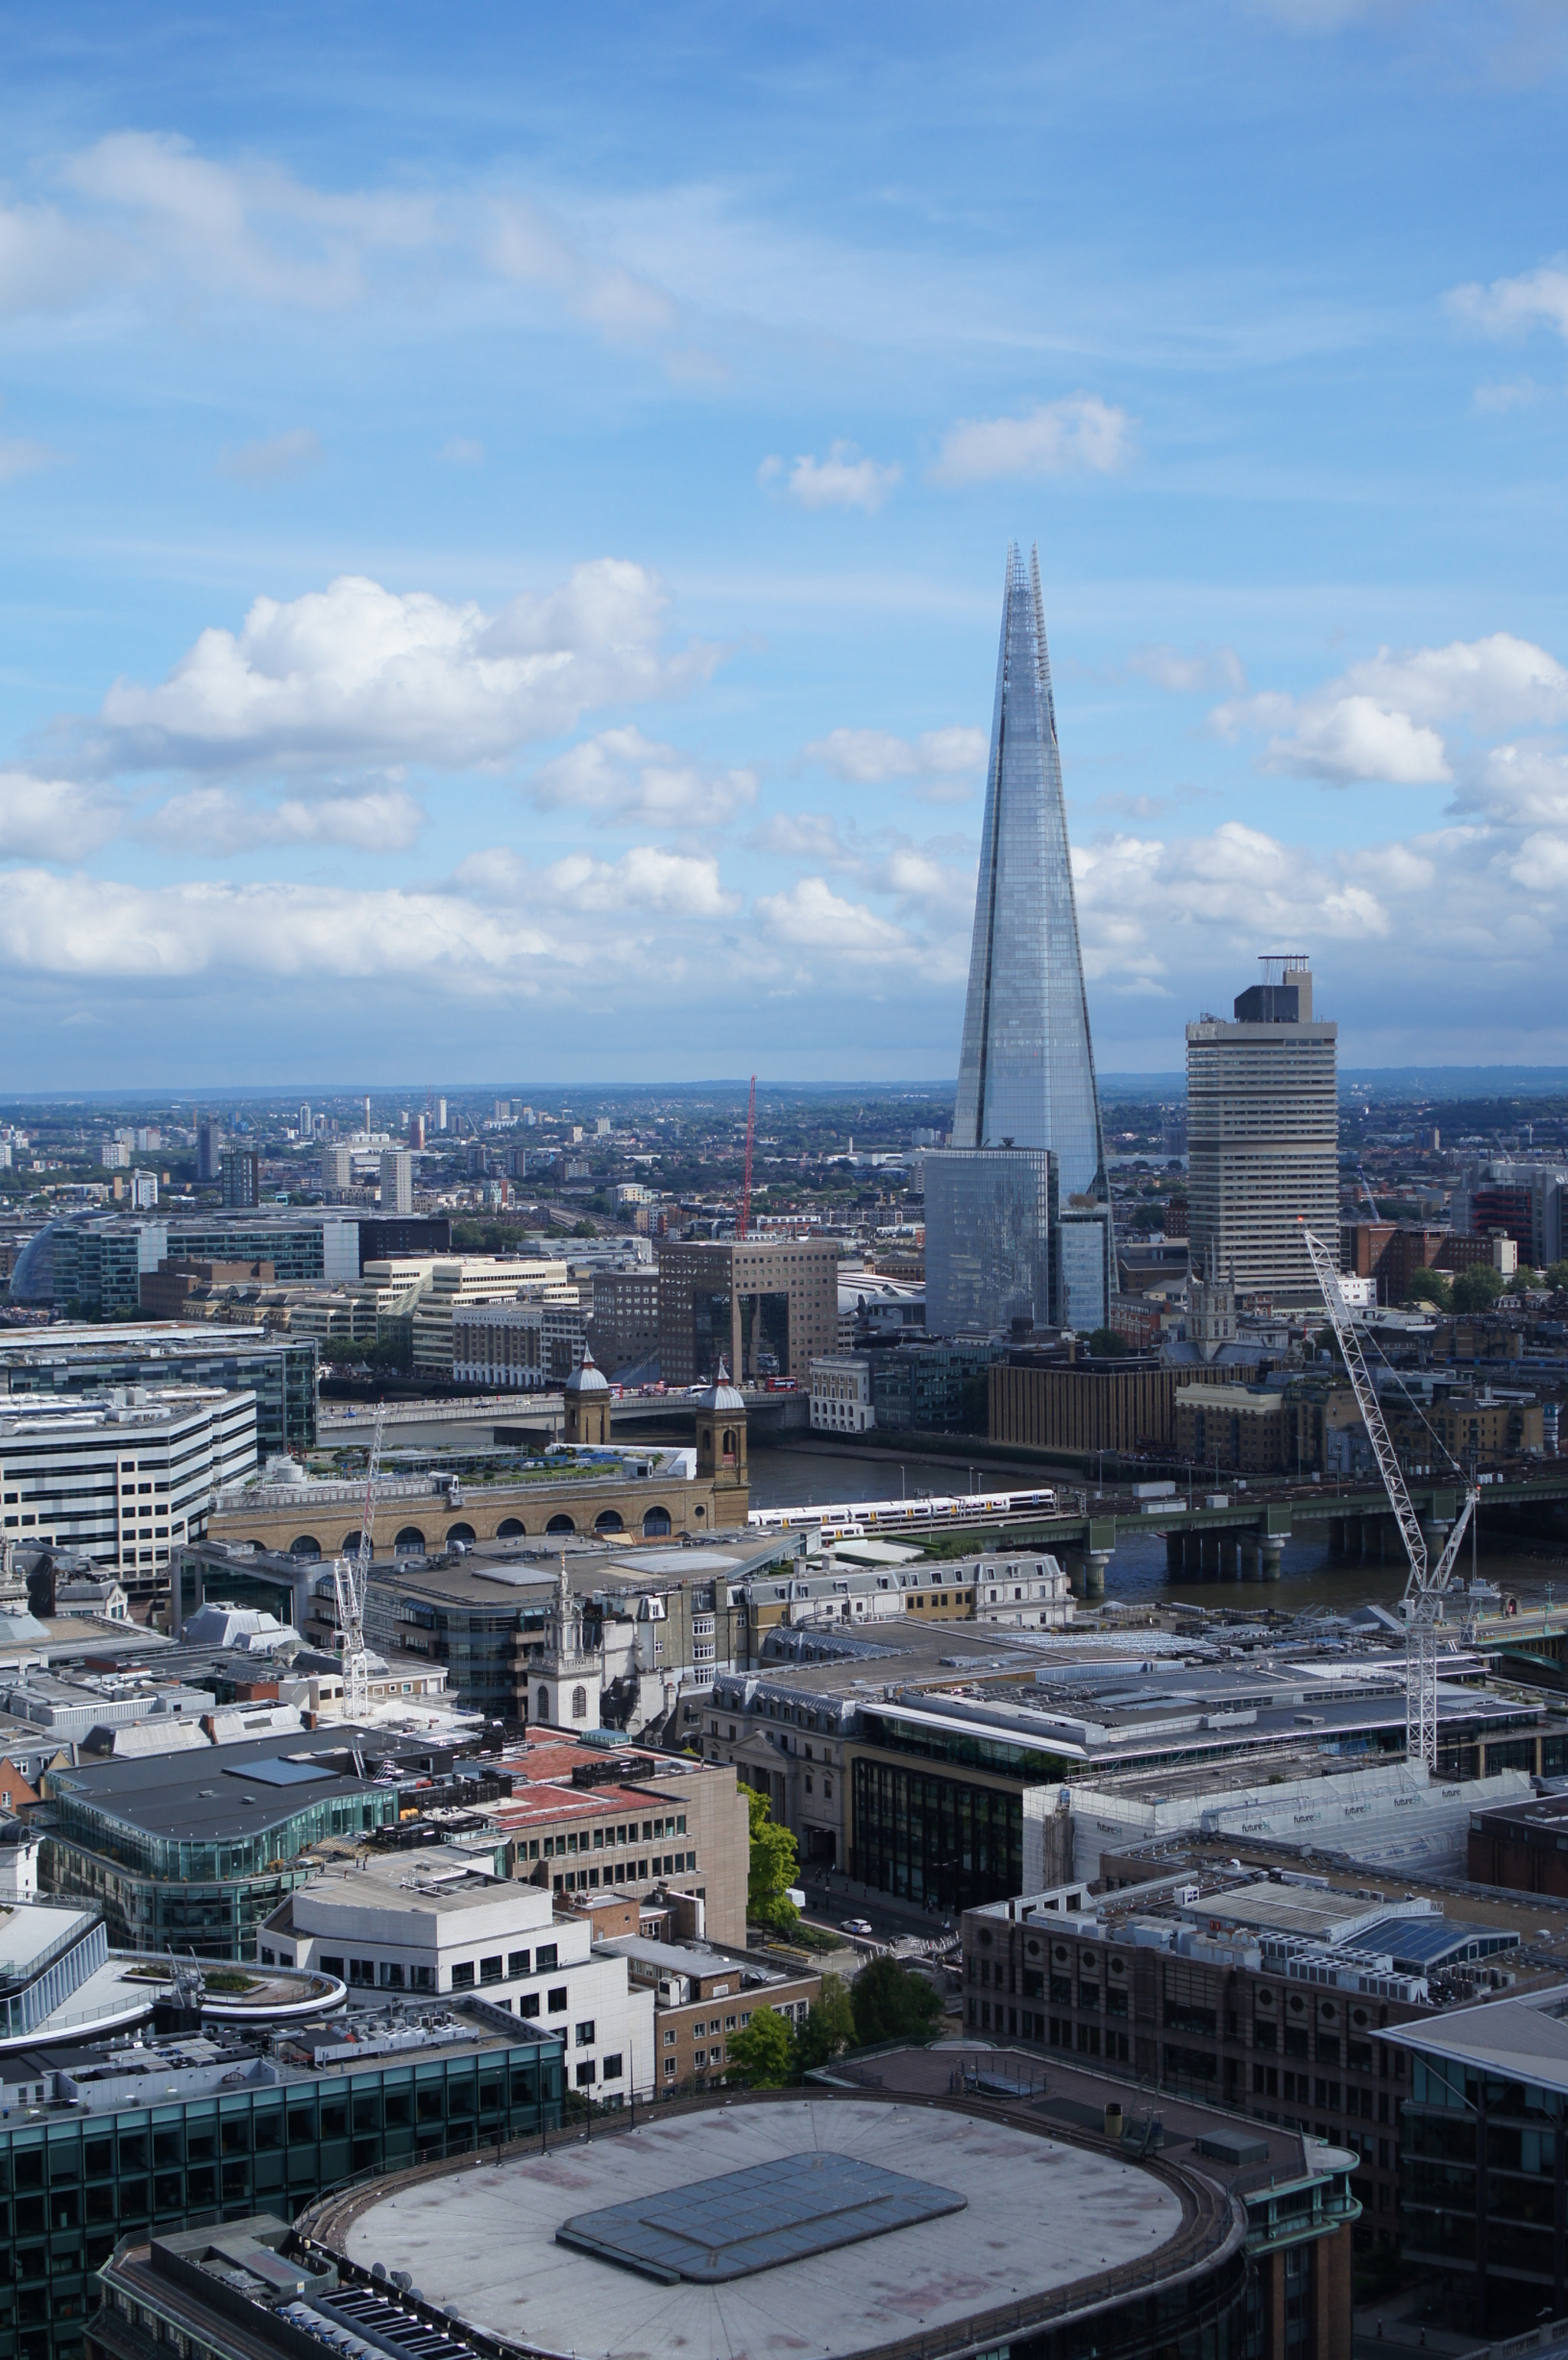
857, 1925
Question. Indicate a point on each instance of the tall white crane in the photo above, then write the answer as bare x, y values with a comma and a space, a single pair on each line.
1425, 1584
349, 1581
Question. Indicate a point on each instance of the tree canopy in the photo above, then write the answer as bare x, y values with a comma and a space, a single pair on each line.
1477, 1288
891, 2003
772, 1869
1428, 1286
761, 2052
827, 2029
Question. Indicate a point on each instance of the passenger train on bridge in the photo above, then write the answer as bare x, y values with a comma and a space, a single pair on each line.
853, 1519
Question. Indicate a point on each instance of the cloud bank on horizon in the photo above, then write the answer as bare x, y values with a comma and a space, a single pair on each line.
469, 616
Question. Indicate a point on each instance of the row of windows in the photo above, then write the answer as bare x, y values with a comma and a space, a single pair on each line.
631, 1872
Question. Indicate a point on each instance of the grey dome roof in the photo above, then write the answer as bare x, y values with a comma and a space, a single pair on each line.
586, 1377
722, 1395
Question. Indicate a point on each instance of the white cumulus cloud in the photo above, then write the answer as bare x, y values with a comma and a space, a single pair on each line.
1536, 299
811, 916
212, 822
648, 880
359, 672
868, 757
1080, 435
54, 819
842, 480
1383, 718
632, 782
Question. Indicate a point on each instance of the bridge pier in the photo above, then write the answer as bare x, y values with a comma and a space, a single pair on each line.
1271, 1551
1337, 1536
1175, 1556
1251, 1558
1094, 1564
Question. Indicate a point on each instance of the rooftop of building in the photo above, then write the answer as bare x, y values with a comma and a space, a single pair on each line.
997, 2212
66, 2081
238, 1790
1522, 2037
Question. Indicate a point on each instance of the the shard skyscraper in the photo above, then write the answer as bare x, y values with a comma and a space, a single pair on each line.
1018, 1213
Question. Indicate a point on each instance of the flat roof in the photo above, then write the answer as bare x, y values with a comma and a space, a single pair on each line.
485, 2241
201, 1796
1521, 2039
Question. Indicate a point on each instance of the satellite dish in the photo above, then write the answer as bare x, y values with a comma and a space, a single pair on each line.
377, 2269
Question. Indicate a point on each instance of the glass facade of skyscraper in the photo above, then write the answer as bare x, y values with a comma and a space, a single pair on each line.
994, 1250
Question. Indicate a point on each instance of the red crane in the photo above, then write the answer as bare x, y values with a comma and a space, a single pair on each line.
744, 1224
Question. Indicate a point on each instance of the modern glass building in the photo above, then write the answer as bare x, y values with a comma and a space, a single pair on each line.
1025, 1080
110, 2144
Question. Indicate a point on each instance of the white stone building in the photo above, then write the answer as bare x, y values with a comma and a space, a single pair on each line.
1031, 1591
841, 1394
434, 1923
125, 1477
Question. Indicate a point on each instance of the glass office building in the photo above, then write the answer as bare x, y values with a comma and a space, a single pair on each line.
1025, 1077
122, 2143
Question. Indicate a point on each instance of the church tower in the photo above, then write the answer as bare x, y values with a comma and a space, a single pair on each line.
587, 1397
721, 1445
566, 1681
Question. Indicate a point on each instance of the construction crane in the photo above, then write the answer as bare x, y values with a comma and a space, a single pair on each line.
744, 1223
1367, 1192
1425, 1584
350, 1582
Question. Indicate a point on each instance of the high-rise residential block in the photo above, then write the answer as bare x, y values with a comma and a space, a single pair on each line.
1263, 1135
337, 1165
1027, 1149
209, 1148
397, 1180
241, 1169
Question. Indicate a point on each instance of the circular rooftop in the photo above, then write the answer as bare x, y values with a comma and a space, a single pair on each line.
815, 2226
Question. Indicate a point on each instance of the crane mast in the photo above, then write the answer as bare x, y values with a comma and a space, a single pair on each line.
1425, 1583
350, 1582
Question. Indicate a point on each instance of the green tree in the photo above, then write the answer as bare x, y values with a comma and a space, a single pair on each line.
760, 2052
772, 1869
828, 2028
890, 2003
1430, 1287
1477, 1288
1557, 1277
1106, 1343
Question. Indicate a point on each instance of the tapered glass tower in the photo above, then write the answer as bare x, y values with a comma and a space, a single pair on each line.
1018, 1214
1026, 1072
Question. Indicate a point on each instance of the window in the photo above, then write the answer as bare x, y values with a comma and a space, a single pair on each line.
463, 1976
528, 2005
670, 2040
669, 2069
491, 1970
587, 2074
556, 2000
584, 2034
729, 2024
699, 2057
422, 1978
580, 1712
516, 1964
331, 1967
545, 1958
611, 2069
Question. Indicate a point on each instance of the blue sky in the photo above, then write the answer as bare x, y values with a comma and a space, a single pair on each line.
504, 515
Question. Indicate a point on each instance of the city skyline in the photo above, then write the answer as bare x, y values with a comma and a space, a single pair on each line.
504, 527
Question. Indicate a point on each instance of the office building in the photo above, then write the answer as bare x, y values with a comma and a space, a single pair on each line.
765, 1306
1026, 1143
241, 1171
626, 1317
127, 1478
1263, 1136
841, 1393
437, 1925
279, 1372
1484, 2136
209, 1148
397, 1180
181, 1851
1214, 1980
237, 2126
